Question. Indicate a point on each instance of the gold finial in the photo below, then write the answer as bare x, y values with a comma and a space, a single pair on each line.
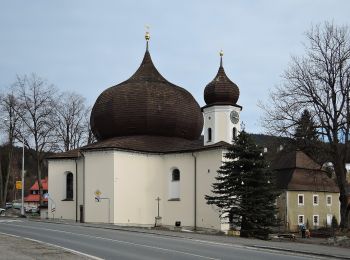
147, 35
221, 54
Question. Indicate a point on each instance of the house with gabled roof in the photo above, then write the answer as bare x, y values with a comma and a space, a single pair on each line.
33, 198
309, 196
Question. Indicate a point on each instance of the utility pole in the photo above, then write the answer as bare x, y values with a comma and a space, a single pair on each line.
22, 208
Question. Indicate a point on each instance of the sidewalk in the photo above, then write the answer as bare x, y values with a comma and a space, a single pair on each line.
312, 246
13, 247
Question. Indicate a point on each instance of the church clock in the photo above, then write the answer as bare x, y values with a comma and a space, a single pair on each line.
234, 116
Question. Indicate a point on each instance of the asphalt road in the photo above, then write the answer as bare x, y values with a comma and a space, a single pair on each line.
114, 244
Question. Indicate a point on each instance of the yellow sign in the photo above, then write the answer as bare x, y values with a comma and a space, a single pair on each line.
18, 185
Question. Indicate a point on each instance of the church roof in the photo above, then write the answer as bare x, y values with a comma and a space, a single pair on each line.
146, 104
221, 90
297, 171
146, 144
71, 154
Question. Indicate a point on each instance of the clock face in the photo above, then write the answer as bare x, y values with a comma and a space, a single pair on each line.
234, 116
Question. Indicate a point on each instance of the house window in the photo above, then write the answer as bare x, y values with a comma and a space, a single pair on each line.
69, 186
175, 175
315, 200
300, 199
316, 220
34, 192
329, 200
300, 219
234, 132
209, 134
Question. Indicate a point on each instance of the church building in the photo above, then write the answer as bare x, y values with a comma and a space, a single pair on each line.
156, 156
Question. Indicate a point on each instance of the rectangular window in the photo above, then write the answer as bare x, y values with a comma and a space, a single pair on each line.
300, 199
316, 220
315, 200
300, 219
329, 200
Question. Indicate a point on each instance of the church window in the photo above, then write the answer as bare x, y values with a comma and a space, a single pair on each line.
174, 185
176, 175
69, 186
234, 132
209, 134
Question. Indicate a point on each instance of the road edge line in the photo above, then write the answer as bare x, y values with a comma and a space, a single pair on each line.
57, 246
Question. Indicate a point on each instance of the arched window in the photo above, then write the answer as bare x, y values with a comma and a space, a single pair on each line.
174, 184
209, 134
69, 186
175, 175
234, 133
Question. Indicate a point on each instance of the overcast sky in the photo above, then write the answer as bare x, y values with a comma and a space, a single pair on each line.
87, 46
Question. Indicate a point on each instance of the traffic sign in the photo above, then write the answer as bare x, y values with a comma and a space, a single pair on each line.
18, 185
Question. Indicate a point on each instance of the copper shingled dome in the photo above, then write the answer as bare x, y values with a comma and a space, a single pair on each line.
221, 90
146, 104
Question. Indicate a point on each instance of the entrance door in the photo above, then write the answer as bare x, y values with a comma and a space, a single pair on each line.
329, 220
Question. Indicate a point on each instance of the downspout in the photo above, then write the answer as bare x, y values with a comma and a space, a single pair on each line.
76, 190
287, 218
83, 217
195, 191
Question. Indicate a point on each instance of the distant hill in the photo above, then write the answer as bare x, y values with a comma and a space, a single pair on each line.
272, 144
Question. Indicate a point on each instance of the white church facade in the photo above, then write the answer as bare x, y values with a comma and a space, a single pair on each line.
150, 163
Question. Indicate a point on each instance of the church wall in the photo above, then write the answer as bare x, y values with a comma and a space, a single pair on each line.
99, 176
208, 162
138, 182
57, 189
183, 208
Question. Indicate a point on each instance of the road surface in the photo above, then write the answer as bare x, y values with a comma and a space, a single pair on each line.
114, 244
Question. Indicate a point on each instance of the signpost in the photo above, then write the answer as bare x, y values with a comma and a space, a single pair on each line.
98, 198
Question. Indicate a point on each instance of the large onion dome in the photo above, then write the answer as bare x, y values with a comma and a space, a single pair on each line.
146, 104
221, 90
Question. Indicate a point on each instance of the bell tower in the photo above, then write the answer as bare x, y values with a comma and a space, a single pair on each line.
221, 113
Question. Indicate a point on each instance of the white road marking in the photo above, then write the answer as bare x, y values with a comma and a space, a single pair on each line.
53, 245
10, 220
120, 241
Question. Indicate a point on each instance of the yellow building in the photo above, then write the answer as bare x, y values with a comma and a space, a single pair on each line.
308, 195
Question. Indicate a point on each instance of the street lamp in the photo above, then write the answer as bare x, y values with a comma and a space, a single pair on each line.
22, 208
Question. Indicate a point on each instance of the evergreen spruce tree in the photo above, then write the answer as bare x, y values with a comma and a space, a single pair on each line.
245, 190
306, 137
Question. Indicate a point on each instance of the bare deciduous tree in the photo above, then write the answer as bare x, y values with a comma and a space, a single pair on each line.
319, 81
70, 128
9, 118
37, 103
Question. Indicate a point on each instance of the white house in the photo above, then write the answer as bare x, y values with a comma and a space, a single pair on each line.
150, 154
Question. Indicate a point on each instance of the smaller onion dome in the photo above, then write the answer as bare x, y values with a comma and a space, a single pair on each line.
221, 90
